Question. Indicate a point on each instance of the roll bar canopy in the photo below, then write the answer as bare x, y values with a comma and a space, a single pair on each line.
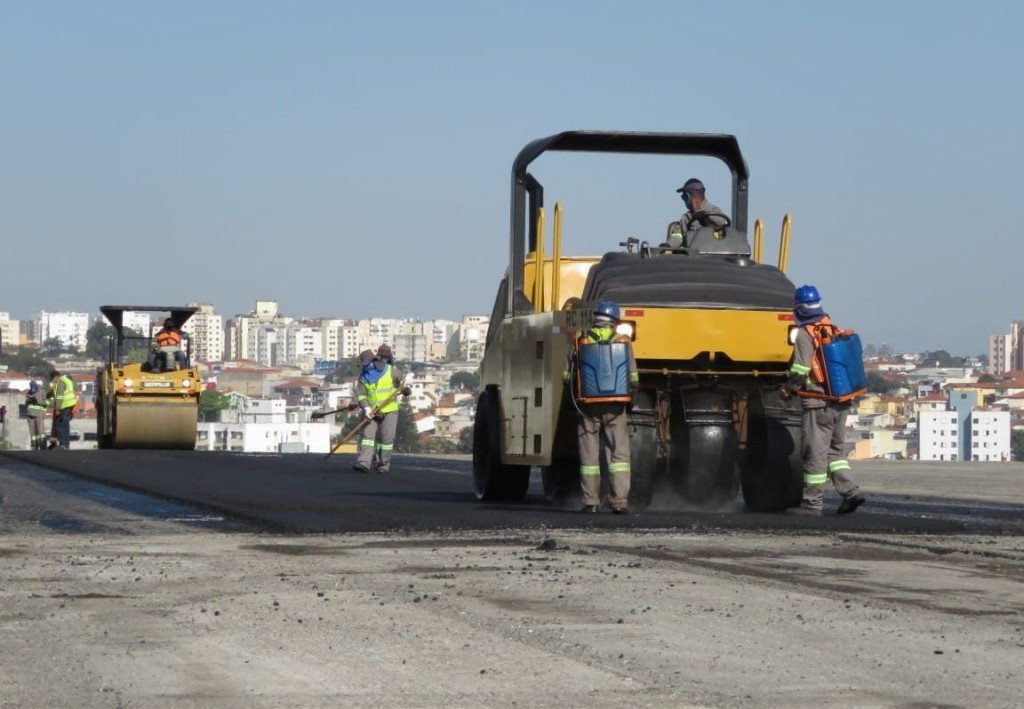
525, 187
115, 314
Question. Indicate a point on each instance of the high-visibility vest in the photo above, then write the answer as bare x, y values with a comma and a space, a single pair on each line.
380, 390
168, 338
64, 399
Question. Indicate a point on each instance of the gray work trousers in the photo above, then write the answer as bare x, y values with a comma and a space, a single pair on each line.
824, 453
604, 426
37, 433
377, 443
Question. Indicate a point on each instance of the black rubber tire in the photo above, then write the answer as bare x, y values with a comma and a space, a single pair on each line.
645, 468
703, 456
561, 481
772, 472
493, 480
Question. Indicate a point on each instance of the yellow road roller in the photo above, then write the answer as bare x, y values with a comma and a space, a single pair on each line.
146, 398
711, 327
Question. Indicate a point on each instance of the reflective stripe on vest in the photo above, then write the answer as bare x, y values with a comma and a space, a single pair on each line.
380, 390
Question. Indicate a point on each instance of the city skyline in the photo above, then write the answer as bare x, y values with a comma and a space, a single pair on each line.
356, 157
983, 350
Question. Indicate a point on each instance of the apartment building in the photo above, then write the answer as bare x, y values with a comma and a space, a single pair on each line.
10, 331
964, 430
473, 337
67, 327
259, 336
206, 328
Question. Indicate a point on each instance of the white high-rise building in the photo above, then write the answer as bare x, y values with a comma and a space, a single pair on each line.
136, 321
989, 435
473, 337
964, 430
70, 328
10, 331
259, 335
302, 340
349, 341
206, 329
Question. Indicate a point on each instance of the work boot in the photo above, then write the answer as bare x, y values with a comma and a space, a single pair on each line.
620, 510
360, 468
850, 504
802, 511
588, 509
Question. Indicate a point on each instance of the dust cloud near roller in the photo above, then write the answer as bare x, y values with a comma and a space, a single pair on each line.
166, 425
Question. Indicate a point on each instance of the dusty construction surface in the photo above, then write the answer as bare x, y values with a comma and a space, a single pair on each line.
103, 607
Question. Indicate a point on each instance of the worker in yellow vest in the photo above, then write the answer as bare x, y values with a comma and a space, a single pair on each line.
63, 401
377, 391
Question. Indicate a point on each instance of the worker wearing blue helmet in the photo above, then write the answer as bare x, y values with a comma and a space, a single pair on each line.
602, 372
824, 414
35, 409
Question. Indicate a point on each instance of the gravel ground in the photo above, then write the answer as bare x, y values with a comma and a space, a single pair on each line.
114, 609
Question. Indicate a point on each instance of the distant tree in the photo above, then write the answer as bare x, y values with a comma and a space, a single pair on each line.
465, 380
466, 440
407, 440
51, 347
986, 379
27, 360
940, 358
211, 403
880, 383
97, 339
99, 335
1017, 444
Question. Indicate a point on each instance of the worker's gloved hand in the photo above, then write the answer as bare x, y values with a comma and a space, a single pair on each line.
368, 413
406, 391
786, 392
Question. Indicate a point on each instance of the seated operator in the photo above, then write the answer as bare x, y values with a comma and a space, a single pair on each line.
700, 212
168, 342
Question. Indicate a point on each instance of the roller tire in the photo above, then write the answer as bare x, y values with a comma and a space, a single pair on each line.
561, 481
703, 456
772, 474
644, 465
493, 480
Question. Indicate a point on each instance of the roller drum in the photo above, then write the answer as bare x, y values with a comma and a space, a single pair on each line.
155, 424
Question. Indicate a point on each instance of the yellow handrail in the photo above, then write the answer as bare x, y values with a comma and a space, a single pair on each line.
538, 272
758, 239
556, 258
787, 226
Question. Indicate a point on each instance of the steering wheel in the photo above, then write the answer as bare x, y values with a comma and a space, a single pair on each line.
704, 219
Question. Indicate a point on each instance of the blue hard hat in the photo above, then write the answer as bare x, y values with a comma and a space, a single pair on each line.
805, 295
33, 387
608, 309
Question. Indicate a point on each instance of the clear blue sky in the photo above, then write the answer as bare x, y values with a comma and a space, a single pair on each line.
353, 159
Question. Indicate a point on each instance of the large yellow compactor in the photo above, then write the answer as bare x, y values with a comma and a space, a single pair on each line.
710, 324
137, 407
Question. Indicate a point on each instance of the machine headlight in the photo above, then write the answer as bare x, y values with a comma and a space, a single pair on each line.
185, 383
129, 382
793, 329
